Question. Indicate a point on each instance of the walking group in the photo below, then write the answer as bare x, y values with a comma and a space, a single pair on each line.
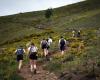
76, 34
32, 51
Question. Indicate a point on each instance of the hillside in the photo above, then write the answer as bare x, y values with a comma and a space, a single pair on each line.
23, 25
76, 64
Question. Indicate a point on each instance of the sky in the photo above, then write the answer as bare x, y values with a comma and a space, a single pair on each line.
8, 7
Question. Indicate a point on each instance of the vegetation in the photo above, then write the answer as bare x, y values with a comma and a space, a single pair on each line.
8, 67
21, 28
48, 13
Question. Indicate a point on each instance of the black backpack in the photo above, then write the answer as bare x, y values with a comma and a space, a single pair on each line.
62, 42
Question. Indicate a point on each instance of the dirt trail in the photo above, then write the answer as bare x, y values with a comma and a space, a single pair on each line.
41, 74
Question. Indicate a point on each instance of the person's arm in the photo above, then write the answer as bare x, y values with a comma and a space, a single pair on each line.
28, 50
36, 49
59, 43
15, 51
65, 42
40, 44
24, 50
51, 41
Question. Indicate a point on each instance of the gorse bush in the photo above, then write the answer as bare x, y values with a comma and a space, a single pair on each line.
22, 28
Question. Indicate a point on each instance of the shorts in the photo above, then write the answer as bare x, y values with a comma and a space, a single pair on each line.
19, 57
62, 47
44, 46
33, 56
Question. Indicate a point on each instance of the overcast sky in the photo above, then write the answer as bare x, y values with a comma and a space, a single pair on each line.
8, 7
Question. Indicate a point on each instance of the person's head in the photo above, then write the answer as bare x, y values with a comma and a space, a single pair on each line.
79, 31
46, 39
61, 37
43, 39
32, 44
20, 46
50, 37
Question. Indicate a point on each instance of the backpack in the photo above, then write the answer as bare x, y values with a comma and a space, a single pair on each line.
44, 43
33, 49
78, 34
62, 42
20, 51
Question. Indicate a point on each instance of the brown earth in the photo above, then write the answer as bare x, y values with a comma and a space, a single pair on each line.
40, 75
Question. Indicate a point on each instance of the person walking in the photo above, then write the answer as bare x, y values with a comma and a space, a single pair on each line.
44, 46
32, 50
19, 52
49, 41
73, 33
62, 44
79, 34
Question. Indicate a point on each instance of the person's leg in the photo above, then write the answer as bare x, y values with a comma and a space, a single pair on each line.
62, 52
45, 52
31, 65
35, 66
61, 49
20, 64
48, 55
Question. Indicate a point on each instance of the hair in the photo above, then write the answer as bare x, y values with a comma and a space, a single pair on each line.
50, 37
61, 36
79, 31
20, 46
32, 44
46, 39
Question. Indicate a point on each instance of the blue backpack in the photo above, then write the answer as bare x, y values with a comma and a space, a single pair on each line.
20, 51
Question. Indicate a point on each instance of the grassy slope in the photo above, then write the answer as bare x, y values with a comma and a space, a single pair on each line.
23, 27
19, 26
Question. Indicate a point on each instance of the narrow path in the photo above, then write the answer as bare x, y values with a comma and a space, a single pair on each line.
41, 74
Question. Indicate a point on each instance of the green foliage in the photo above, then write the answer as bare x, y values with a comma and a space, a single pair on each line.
48, 13
21, 28
8, 67
55, 68
74, 45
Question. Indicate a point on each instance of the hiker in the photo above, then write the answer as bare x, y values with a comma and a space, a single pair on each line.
44, 46
79, 33
32, 50
49, 41
62, 43
19, 52
73, 33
